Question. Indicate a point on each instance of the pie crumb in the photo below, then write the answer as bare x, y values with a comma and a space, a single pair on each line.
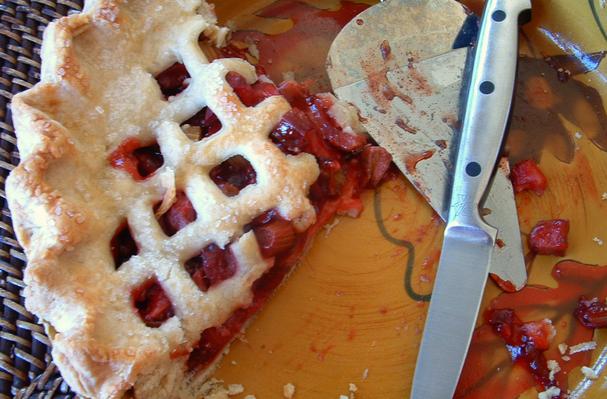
604, 196
250, 397
599, 241
330, 226
235, 389
563, 348
214, 389
365, 374
343, 397
566, 358
242, 338
554, 368
583, 347
589, 373
549, 393
288, 391
352, 387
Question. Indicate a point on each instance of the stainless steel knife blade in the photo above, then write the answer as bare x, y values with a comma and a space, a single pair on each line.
406, 80
456, 298
469, 240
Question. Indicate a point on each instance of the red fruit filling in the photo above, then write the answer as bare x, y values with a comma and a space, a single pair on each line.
275, 237
137, 160
527, 176
489, 371
549, 237
310, 128
179, 215
122, 245
250, 95
376, 162
207, 121
211, 267
348, 164
592, 313
233, 174
172, 81
526, 342
152, 303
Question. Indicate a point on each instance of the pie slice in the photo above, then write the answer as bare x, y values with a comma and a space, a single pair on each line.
161, 198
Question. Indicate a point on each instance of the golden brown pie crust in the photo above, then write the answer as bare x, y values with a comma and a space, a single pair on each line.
97, 89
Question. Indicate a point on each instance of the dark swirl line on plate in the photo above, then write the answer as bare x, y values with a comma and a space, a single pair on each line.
595, 14
401, 243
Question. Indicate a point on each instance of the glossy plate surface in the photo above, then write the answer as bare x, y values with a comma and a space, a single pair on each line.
353, 311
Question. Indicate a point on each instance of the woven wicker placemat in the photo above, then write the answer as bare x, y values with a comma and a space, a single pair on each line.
26, 369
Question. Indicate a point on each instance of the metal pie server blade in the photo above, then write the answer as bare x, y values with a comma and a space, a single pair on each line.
397, 64
469, 240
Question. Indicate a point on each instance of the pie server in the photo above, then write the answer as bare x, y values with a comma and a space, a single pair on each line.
401, 62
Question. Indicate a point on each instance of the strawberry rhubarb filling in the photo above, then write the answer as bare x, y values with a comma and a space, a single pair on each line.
348, 162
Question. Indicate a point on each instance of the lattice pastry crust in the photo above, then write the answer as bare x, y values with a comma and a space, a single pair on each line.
97, 89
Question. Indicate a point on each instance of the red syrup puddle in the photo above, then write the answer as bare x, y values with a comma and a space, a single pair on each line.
489, 368
302, 49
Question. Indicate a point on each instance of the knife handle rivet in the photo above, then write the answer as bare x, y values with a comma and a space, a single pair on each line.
498, 16
487, 87
473, 169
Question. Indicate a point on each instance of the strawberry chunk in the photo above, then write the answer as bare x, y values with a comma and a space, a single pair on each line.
178, 216
211, 267
214, 339
549, 237
137, 160
149, 160
233, 174
527, 176
207, 121
376, 162
250, 95
316, 111
275, 237
152, 303
172, 81
592, 313
330, 131
291, 134
122, 245
526, 342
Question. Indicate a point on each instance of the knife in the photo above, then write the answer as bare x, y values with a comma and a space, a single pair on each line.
421, 34
469, 240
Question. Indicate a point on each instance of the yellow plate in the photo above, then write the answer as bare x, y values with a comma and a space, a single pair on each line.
353, 312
